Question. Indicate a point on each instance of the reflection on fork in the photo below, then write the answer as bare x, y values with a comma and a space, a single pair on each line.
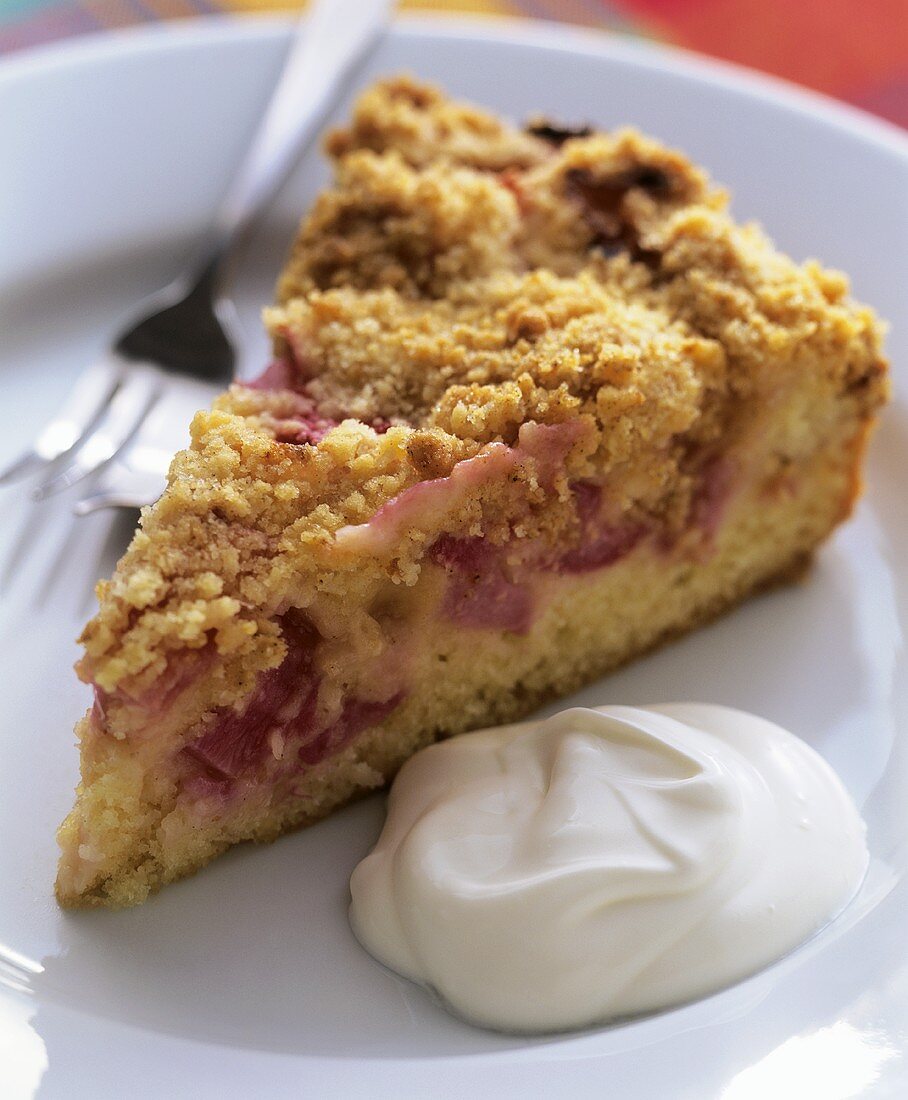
183, 335
137, 474
39, 554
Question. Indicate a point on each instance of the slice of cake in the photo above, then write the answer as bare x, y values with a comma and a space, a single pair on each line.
536, 405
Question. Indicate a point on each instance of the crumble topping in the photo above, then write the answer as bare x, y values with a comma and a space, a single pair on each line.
499, 351
423, 126
462, 278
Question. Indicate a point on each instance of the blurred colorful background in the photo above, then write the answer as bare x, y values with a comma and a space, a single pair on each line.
856, 50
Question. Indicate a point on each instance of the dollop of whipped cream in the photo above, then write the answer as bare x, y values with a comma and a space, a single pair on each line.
603, 863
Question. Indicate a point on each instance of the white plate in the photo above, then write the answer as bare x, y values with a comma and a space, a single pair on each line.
245, 980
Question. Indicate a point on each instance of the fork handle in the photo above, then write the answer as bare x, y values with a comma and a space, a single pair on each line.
327, 46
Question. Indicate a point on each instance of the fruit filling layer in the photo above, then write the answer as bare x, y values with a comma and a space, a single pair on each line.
303, 421
285, 725
297, 716
281, 711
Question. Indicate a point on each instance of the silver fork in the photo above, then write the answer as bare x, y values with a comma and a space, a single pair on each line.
169, 360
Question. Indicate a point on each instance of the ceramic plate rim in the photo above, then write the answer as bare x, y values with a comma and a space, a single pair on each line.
97, 47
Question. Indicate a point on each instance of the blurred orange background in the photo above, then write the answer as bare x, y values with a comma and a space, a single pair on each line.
856, 50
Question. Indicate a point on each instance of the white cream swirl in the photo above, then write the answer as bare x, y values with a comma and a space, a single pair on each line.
605, 862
